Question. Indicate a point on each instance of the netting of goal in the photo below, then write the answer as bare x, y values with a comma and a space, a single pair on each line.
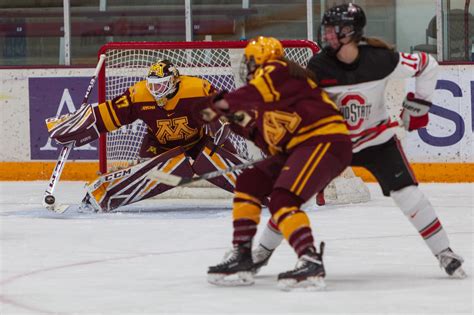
218, 62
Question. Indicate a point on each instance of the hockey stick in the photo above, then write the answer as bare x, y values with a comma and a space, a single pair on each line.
175, 180
49, 200
220, 137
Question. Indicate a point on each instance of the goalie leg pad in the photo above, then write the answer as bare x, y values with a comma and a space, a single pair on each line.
132, 184
213, 158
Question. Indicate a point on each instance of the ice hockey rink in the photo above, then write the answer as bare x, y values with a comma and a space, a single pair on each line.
152, 258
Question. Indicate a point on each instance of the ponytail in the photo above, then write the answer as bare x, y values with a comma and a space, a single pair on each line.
297, 71
377, 42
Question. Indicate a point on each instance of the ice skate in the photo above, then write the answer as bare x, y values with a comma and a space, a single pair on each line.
260, 256
451, 263
308, 274
235, 270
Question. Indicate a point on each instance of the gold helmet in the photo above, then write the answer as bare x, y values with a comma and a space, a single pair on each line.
262, 49
162, 79
258, 51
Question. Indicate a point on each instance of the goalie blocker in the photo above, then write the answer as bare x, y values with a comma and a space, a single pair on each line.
129, 185
79, 127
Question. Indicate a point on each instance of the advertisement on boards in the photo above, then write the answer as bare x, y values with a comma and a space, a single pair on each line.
54, 96
447, 139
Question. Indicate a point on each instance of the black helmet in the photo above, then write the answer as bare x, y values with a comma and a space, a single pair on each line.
346, 15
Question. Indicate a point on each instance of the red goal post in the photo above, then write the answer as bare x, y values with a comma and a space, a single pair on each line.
128, 62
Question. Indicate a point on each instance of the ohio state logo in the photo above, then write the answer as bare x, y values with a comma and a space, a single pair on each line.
355, 109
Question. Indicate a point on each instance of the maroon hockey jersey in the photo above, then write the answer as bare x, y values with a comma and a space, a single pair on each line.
173, 124
287, 110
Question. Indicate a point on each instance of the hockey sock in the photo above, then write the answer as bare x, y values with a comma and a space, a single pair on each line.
271, 237
251, 188
246, 216
421, 214
291, 220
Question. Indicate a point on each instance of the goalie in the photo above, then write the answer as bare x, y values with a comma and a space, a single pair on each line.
176, 142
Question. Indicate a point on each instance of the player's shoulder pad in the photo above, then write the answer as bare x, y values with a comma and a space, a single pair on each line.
194, 87
139, 93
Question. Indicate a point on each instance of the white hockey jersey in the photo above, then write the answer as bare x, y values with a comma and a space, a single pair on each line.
358, 88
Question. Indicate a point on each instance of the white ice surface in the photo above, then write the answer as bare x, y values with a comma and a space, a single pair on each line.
153, 258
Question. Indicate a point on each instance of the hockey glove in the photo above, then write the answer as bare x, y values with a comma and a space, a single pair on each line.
415, 112
78, 127
208, 111
241, 118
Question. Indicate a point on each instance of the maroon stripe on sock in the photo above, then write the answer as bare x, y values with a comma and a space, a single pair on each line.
272, 225
284, 215
301, 240
244, 231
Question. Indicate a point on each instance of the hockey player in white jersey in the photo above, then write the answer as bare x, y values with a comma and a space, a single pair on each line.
354, 71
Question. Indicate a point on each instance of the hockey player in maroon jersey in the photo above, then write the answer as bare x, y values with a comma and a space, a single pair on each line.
166, 102
355, 75
285, 114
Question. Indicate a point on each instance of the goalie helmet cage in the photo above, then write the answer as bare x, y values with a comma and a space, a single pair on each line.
218, 62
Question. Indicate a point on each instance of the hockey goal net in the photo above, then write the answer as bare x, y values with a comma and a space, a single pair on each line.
218, 62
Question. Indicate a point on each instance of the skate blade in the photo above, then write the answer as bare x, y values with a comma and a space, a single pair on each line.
241, 278
459, 274
310, 284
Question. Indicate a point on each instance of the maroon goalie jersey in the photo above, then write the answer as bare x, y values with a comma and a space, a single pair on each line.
173, 124
287, 110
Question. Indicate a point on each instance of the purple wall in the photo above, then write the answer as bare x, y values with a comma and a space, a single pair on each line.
47, 97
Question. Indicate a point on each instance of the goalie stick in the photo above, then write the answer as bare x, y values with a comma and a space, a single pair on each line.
49, 200
175, 180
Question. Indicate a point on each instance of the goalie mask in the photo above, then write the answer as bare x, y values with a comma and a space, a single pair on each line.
339, 22
258, 51
162, 79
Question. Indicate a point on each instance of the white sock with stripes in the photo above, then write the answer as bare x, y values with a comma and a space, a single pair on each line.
271, 237
421, 214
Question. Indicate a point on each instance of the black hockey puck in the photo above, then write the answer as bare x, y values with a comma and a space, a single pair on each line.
49, 199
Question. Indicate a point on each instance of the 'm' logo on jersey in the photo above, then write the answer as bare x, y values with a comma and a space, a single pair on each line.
174, 129
276, 124
355, 109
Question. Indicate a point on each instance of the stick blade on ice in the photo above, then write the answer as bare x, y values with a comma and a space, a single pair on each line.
165, 178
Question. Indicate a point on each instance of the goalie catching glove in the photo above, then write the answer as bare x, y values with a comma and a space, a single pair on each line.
78, 127
415, 112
